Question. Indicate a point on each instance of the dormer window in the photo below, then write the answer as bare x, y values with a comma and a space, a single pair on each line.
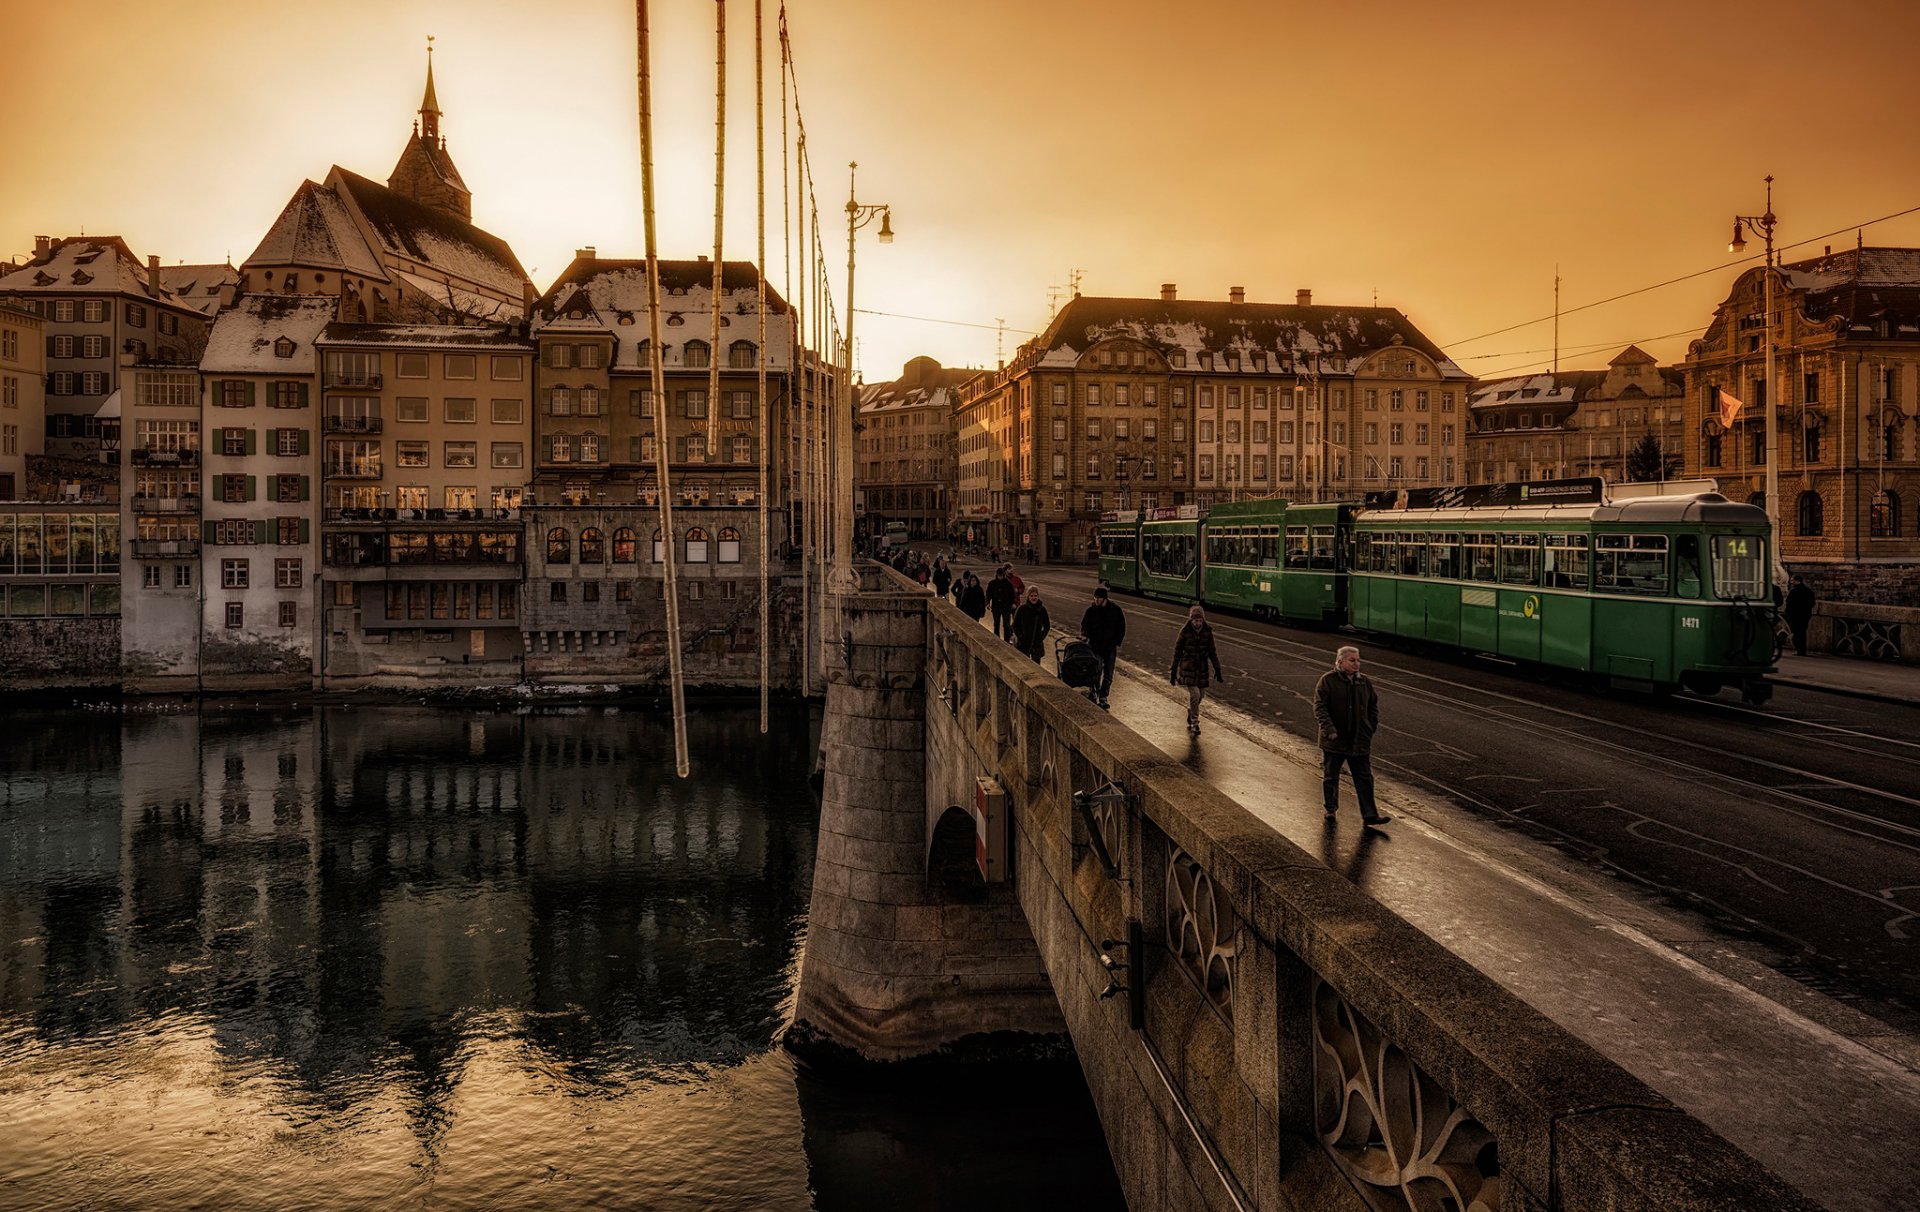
694, 353
283, 348
81, 277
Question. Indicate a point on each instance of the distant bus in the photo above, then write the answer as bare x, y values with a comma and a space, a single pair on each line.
895, 535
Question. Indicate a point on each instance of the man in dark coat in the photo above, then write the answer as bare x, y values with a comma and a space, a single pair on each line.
1193, 655
1349, 714
1031, 624
1104, 628
1799, 612
1000, 599
970, 597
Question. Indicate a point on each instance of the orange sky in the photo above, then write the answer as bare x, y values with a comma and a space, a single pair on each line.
1446, 157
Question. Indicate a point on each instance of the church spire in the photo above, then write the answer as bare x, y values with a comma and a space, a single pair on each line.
430, 105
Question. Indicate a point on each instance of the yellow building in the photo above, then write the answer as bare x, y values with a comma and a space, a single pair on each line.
23, 405
907, 471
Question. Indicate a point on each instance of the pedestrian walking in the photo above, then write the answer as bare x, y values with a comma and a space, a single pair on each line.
1031, 624
1000, 598
1799, 612
1019, 586
942, 577
1104, 627
1348, 712
1193, 655
970, 597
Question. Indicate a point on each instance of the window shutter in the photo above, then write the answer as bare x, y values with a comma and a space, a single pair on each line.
273, 488
253, 483
306, 441
251, 433
260, 532
680, 450
303, 395
219, 488
306, 530
206, 529
50, 347
306, 487
251, 387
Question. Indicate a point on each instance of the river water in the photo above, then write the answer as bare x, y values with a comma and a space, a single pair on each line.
408, 957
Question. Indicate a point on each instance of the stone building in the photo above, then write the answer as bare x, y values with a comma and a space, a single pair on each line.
906, 471
160, 494
59, 595
1135, 403
23, 402
99, 302
1574, 422
1846, 333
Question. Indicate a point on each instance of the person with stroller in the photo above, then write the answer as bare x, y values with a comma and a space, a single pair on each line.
1104, 627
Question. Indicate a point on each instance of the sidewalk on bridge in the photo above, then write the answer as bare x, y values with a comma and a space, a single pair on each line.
1812, 1089
1888, 681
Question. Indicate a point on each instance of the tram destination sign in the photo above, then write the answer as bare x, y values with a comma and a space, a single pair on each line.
1584, 490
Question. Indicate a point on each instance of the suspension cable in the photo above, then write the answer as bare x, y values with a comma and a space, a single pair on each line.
719, 211
760, 309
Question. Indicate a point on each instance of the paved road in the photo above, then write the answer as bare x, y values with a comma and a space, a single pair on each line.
1793, 831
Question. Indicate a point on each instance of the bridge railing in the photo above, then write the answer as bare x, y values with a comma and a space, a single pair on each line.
1301, 1045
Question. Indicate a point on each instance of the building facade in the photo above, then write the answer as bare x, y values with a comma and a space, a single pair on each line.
1125, 404
23, 402
1579, 423
1846, 335
907, 471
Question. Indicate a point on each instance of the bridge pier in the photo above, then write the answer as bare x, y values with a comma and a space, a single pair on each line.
902, 962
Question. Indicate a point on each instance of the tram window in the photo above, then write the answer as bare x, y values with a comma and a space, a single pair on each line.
1739, 567
1631, 563
1413, 552
1297, 547
1169, 555
1323, 548
1480, 557
1567, 564
1443, 556
1519, 559
1270, 547
1363, 552
1687, 575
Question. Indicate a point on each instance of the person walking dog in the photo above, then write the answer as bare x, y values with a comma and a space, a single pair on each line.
1348, 712
1193, 654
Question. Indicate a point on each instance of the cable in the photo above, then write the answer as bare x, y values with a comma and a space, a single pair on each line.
894, 315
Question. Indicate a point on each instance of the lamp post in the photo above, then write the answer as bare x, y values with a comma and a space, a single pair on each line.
1762, 225
858, 216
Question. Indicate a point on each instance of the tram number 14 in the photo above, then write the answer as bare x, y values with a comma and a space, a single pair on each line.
1690, 621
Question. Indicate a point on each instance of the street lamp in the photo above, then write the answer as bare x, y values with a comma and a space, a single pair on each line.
858, 216
1762, 226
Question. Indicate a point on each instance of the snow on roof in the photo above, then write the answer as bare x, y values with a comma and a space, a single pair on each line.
460, 300
610, 296
494, 338
926, 384
245, 338
405, 229
316, 230
1565, 387
201, 287
88, 265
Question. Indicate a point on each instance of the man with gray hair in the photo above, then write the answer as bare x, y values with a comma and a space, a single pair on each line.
1349, 714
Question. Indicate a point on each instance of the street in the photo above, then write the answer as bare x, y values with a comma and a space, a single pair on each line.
1789, 831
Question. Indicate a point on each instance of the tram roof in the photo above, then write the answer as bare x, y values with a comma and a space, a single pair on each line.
1700, 507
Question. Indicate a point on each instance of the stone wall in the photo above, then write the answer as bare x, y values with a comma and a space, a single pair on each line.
1300, 1046
59, 654
1866, 583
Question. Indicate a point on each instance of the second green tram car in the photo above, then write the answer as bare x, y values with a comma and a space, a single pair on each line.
1654, 593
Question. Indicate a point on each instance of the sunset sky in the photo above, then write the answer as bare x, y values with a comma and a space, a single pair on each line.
1444, 158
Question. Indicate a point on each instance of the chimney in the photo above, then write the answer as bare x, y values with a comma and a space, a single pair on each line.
42, 245
1303, 297
583, 254
1236, 294
153, 275
1167, 292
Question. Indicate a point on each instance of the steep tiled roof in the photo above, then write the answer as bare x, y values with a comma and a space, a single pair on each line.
1291, 333
1566, 387
244, 337
611, 296
405, 228
1863, 286
927, 383
201, 287
86, 265
316, 230
504, 337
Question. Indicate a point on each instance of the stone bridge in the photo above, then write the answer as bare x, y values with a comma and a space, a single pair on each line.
1256, 1033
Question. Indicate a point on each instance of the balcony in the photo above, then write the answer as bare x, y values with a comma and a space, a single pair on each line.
351, 380
164, 505
352, 424
188, 457
158, 549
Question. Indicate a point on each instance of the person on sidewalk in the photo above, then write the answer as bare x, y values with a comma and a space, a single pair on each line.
1031, 625
1799, 612
1349, 714
1193, 655
970, 597
1019, 585
1104, 627
1001, 600
942, 577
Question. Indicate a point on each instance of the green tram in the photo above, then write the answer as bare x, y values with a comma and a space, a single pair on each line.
1653, 593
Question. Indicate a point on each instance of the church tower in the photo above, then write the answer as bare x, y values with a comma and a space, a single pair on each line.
425, 172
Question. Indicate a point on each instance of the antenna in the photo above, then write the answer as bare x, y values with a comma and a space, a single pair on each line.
1053, 300
1556, 320
1000, 340
1073, 280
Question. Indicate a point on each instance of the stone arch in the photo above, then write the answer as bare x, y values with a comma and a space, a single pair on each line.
953, 874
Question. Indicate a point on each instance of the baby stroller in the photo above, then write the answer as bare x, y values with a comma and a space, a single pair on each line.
1079, 665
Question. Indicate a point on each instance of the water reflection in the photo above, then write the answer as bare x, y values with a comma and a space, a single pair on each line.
344, 957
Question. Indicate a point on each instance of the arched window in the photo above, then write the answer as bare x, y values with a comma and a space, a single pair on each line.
729, 545
740, 355
659, 548
694, 353
1883, 515
1812, 514
625, 545
559, 546
696, 546
593, 546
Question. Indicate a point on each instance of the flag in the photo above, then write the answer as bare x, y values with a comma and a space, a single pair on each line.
1729, 409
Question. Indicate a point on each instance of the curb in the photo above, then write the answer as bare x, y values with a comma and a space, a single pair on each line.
1851, 692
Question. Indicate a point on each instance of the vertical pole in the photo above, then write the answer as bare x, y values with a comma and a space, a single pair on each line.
843, 577
762, 447
719, 208
1773, 401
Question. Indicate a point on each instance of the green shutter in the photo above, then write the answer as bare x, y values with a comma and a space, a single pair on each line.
303, 395
306, 530
306, 487
206, 530
253, 483
262, 532
306, 441
251, 433
250, 398
273, 488
219, 488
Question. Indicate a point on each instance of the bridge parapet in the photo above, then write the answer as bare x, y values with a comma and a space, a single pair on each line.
1297, 1045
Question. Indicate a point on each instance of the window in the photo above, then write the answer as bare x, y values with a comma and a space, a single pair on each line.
234, 442
696, 546
1373, 400
589, 448
508, 454
559, 546
589, 401
236, 615
1396, 433
593, 546
410, 408
560, 356
1630, 563
1206, 431
462, 411
506, 412
290, 532
410, 366
742, 406
460, 454
411, 454
183, 576
557, 591
93, 311
459, 366
1566, 561
729, 551
286, 573
1811, 514
233, 574
504, 368
1883, 515
695, 353
625, 545
1812, 444
150, 577
693, 403
742, 449
740, 355
287, 443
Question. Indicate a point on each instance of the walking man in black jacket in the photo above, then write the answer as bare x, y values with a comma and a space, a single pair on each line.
1002, 600
1104, 627
1349, 714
